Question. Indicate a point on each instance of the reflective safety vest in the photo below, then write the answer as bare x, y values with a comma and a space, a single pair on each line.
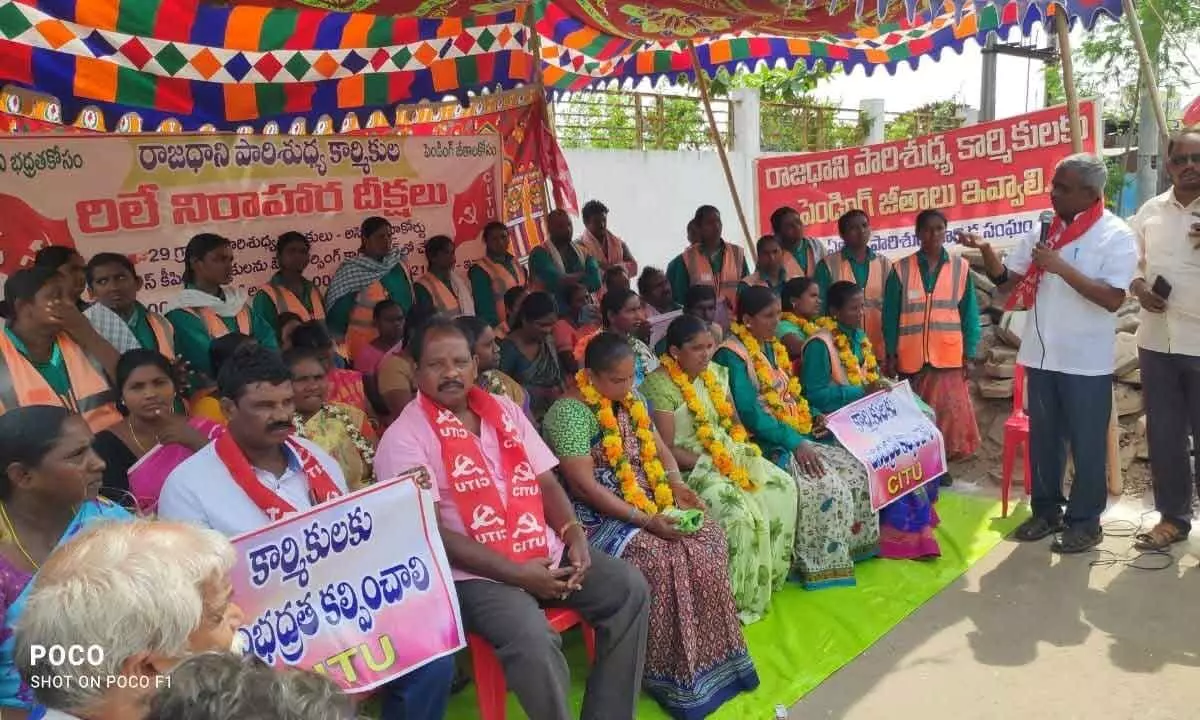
164, 334
91, 396
701, 272
838, 370
503, 280
215, 325
455, 300
361, 328
791, 266
930, 324
877, 273
286, 301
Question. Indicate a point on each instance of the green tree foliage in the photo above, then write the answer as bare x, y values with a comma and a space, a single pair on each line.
929, 118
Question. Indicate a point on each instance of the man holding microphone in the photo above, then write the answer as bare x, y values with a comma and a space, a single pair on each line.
1071, 277
1168, 286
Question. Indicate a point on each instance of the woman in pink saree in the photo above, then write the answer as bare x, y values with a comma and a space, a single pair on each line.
142, 450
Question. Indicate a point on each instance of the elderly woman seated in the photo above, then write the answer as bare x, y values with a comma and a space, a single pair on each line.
148, 593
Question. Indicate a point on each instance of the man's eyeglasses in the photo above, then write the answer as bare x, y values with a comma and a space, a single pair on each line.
1182, 160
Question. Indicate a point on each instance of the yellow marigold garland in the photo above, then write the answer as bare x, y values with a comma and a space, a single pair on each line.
809, 327
614, 448
855, 372
721, 456
798, 417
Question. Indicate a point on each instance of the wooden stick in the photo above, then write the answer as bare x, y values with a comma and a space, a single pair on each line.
1151, 77
702, 82
1068, 71
535, 47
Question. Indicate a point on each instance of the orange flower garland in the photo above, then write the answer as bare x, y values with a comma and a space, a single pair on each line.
614, 448
721, 456
855, 372
809, 327
798, 417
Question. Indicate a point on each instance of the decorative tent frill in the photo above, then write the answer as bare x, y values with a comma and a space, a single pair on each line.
179, 65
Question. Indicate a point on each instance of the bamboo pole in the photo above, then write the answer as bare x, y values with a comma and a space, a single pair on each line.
535, 48
702, 82
1151, 77
1068, 71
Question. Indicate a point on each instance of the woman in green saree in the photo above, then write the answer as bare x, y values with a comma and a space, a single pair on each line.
753, 500
835, 525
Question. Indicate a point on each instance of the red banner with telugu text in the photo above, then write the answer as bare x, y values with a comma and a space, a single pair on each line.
991, 178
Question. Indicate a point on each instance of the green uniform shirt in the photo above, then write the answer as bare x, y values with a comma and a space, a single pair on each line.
764, 428
192, 339
677, 273
543, 268
824, 395
861, 272
486, 303
893, 298
775, 284
395, 282
264, 304
139, 325
53, 372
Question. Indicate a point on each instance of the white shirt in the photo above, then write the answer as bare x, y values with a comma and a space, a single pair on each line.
1065, 332
1164, 249
201, 491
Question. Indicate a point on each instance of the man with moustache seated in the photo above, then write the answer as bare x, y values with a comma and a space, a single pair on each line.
258, 472
514, 544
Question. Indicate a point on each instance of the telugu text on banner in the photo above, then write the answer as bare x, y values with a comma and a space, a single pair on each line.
901, 448
146, 196
358, 588
992, 178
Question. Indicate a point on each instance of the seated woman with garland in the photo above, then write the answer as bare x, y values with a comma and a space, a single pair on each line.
753, 500
801, 301
840, 368
835, 525
343, 431
629, 496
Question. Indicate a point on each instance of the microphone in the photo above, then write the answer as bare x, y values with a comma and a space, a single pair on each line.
1046, 218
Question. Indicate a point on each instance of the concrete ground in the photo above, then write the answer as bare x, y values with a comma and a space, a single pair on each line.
1028, 634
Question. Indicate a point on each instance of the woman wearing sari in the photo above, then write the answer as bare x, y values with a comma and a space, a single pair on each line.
625, 316
49, 480
839, 368
835, 525
753, 500
628, 491
527, 354
140, 452
343, 431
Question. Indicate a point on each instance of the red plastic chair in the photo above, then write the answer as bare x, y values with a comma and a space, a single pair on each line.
1016, 435
490, 686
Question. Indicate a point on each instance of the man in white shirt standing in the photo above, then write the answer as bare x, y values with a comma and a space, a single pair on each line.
1168, 286
1072, 282
258, 472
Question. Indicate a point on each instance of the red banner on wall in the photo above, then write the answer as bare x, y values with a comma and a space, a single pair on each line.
992, 178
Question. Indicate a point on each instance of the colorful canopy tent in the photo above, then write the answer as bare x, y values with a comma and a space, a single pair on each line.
184, 65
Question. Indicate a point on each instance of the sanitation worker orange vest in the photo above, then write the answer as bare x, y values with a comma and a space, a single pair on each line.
454, 299
91, 396
930, 324
361, 330
286, 301
215, 324
502, 281
164, 334
700, 270
877, 275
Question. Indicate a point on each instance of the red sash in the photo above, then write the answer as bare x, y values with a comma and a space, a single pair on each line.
320, 486
1061, 235
514, 526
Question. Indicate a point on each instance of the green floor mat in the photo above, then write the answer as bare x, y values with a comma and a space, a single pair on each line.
808, 636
